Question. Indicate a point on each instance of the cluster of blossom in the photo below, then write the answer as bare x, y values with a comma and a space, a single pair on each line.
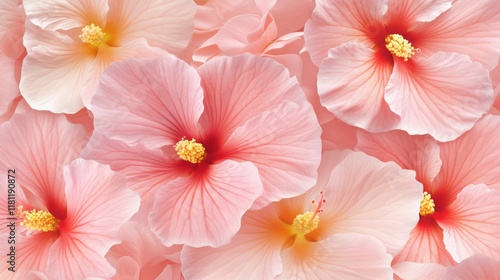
250, 139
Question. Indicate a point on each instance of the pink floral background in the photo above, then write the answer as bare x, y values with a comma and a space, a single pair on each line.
250, 139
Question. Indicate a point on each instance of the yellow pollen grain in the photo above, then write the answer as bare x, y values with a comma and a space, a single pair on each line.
190, 150
399, 46
427, 205
39, 220
305, 223
92, 34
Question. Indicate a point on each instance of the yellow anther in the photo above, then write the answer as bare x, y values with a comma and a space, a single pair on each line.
92, 34
39, 220
399, 46
190, 150
427, 205
305, 223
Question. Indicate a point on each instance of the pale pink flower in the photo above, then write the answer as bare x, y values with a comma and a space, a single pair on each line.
75, 207
70, 43
476, 267
363, 211
460, 212
141, 255
415, 65
202, 147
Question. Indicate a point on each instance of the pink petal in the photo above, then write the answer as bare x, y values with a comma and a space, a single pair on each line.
10, 88
351, 83
407, 13
38, 145
107, 55
285, 146
474, 158
54, 71
58, 14
163, 104
477, 267
292, 15
419, 153
164, 24
367, 196
98, 205
142, 253
205, 208
474, 223
413, 270
469, 27
12, 28
443, 95
425, 245
335, 22
254, 252
342, 256
256, 85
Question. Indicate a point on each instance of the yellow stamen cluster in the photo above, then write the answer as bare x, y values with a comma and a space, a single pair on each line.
190, 150
427, 205
399, 46
39, 220
305, 223
92, 34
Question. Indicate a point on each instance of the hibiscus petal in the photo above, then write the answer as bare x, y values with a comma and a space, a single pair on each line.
419, 153
367, 196
473, 223
342, 256
54, 71
334, 22
477, 267
59, 14
425, 245
205, 209
351, 83
254, 252
470, 27
285, 146
10, 88
406, 13
98, 205
413, 270
163, 101
12, 28
164, 24
38, 145
256, 85
107, 55
443, 95
474, 158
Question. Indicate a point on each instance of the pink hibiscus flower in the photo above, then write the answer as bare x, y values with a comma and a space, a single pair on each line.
362, 210
460, 208
70, 43
12, 28
419, 66
68, 212
202, 147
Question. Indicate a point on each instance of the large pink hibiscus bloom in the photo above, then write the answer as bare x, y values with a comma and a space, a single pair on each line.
202, 147
68, 212
415, 65
460, 208
363, 211
71, 42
